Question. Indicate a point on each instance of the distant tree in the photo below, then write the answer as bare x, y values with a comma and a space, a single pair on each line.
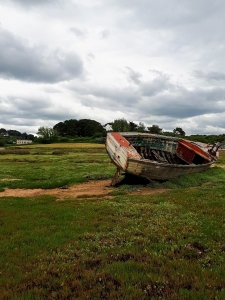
208, 139
47, 135
71, 128
197, 138
168, 133
140, 127
3, 131
179, 131
30, 137
155, 129
120, 125
14, 133
67, 128
88, 128
132, 126
82, 128
109, 123
60, 128
24, 136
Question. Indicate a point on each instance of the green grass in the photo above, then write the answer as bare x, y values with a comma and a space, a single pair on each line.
55, 165
161, 246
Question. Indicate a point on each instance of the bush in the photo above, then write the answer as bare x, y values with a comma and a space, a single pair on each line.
64, 140
58, 152
19, 151
100, 140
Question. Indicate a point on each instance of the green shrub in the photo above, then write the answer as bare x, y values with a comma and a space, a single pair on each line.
18, 151
58, 152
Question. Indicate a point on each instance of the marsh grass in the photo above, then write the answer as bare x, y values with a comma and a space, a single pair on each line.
162, 246
15, 151
215, 174
47, 166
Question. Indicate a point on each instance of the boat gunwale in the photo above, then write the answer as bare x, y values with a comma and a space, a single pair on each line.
161, 164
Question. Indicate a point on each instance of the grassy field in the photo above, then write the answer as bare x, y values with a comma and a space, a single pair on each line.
159, 246
54, 165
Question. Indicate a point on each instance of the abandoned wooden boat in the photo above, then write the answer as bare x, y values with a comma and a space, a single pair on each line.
158, 157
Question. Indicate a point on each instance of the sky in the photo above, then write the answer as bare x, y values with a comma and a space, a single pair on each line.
156, 62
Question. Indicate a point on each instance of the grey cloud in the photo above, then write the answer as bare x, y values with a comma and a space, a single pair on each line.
29, 3
78, 32
215, 120
19, 60
185, 29
105, 34
105, 97
109, 98
175, 36
158, 97
156, 86
32, 111
185, 103
24, 107
90, 56
161, 14
218, 76
133, 75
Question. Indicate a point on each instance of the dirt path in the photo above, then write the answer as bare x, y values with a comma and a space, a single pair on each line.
101, 187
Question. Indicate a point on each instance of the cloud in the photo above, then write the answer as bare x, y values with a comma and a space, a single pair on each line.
28, 3
160, 14
108, 98
179, 102
157, 62
24, 107
217, 76
133, 76
28, 111
78, 32
90, 56
156, 86
157, 97
21, 61
105, 34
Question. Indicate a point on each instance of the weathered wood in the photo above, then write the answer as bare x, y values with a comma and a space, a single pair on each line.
116, 177
158, 157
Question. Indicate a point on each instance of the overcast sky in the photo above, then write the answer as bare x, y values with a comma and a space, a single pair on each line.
157, 62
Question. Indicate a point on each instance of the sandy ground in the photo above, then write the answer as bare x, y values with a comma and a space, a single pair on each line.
88, 189
93, 188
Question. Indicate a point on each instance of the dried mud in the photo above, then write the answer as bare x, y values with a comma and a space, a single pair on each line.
90, 189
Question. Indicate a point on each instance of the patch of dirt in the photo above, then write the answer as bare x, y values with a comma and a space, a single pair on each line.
89, 189
9, 179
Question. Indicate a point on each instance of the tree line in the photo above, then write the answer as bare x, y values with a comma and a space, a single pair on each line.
15, 133
91, 129
88, 130
10, 136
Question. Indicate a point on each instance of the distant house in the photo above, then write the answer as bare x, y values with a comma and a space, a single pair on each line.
108, 127
23, 142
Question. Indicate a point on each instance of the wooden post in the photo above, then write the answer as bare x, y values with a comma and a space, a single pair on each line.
115, 178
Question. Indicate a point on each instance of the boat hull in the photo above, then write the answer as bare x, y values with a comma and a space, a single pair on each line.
176, 157
157, 171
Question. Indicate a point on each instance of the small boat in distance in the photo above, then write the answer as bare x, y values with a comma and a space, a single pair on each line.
158, 157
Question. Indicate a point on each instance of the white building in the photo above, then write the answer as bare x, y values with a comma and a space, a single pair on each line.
23, 142
108, 127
